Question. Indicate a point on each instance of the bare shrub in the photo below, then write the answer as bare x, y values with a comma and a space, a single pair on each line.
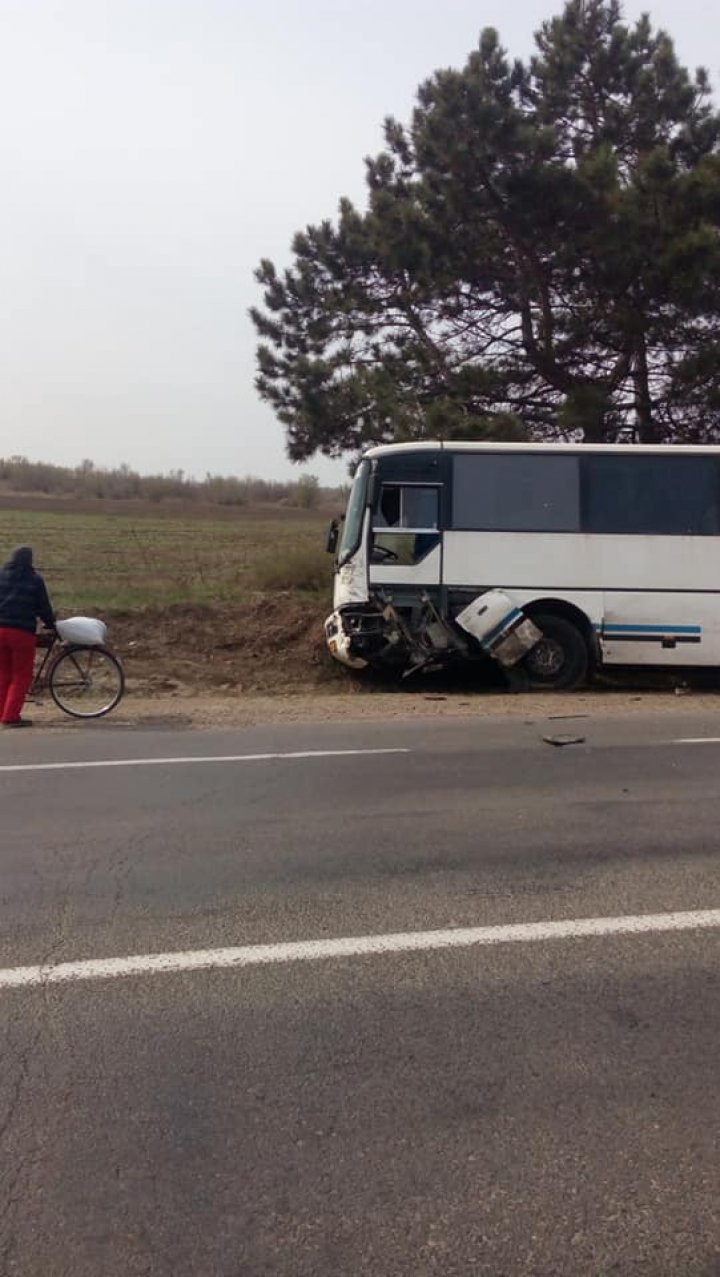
303, 568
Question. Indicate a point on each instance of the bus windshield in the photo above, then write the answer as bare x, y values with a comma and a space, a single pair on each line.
352, 527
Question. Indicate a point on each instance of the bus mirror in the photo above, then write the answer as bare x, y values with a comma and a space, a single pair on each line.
372, 490
332, 537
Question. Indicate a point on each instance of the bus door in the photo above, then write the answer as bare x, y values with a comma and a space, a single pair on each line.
406, 542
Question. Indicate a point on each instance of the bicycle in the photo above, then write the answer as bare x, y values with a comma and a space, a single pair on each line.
85, 681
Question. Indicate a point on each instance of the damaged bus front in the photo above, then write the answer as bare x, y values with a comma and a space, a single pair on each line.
391, 605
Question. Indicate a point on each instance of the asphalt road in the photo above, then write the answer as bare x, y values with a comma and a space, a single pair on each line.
548, 1107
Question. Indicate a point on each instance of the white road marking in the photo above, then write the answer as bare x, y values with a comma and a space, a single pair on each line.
698, 740
355, 946
210, 758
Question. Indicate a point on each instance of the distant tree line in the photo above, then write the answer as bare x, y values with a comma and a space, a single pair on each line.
539, 256
20, 475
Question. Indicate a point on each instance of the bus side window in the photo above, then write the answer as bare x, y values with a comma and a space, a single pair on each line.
419, 508
388, 511
410, 506
405, 523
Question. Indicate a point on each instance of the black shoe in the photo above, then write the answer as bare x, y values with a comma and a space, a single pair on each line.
19, 722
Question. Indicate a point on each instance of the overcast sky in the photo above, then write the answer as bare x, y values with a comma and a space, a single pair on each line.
151, 152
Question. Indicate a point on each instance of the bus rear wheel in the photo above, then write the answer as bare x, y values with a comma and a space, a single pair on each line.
560, 661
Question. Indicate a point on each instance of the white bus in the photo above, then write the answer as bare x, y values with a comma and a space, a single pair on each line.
551, 558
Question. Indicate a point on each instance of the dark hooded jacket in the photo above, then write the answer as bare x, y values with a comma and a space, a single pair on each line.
23, 597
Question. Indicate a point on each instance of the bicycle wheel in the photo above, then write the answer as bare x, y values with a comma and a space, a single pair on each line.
86, 682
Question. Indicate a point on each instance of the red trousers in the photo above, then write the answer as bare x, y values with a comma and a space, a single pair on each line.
17, 656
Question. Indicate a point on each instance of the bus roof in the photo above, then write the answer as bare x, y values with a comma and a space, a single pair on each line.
433, 445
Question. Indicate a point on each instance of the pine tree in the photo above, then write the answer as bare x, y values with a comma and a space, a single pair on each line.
539, 253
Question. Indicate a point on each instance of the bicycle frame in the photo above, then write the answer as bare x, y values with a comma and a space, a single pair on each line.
54, 649
51, 643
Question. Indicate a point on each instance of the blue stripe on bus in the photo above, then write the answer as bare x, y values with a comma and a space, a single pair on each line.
651, 629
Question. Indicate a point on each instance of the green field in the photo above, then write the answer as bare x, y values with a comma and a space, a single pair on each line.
99, 561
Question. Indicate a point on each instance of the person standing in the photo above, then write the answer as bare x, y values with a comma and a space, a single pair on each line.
23, 600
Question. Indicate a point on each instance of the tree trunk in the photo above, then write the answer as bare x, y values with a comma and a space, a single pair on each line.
586, 409
595, 430
647, 429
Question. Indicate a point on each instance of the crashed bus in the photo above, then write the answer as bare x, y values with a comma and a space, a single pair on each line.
551, 559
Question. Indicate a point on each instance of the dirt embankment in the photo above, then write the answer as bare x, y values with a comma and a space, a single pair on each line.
267, 645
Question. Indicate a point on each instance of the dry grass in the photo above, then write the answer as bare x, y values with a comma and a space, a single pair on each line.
96, 562
305, 568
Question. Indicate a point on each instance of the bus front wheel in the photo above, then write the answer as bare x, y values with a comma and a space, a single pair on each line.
560, 660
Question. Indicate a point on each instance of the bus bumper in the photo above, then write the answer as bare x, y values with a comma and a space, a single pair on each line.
355, 635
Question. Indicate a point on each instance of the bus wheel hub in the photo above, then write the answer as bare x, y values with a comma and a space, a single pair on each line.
547, 658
